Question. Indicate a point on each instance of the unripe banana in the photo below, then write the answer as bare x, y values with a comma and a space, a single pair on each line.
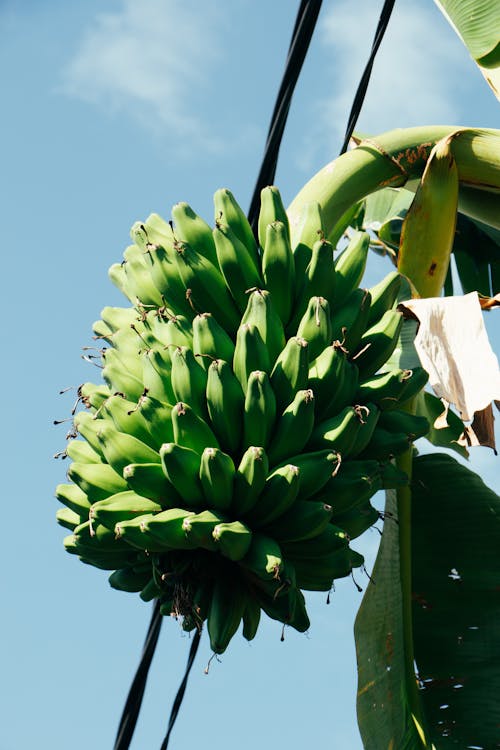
279, 494
384, 295
227, 208
259, 412
250, 353
327, 541
293, 429
120, 449
398, 420
225, 403
278, 268
96, 480
199, 528
149, 480
251, 618
206, 287
68, 519
88, 426
119, 378
210, 341
290, 372
350, 320
156, 376
271, 209
264, 558
249, 480
138, 279
233, 539
315, 326
236, 264
369, 416
192, 229
171, 330
158, 417
354, 484
356, 521
217, 478
385, 389
319, 280
350, 266
304, 520
333, 380
378, 343
126, 417
190, 430
73, 498
384, 444
81, 451
314, 577
181, 466
339, 433
315, 469
261, 312
189, 380
226, 610
121, 506
309, 230
93, 396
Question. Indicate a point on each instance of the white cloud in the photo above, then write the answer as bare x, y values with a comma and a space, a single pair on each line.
151, 60
416, 79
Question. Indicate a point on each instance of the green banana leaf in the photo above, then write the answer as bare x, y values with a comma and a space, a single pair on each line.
456, 606
477, 22
384, 717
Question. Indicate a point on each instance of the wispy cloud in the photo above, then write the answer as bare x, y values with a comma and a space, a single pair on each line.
153, 61
417, 76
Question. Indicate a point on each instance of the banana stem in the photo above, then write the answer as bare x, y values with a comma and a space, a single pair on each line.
394, 158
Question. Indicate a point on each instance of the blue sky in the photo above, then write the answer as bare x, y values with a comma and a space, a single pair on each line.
113, 109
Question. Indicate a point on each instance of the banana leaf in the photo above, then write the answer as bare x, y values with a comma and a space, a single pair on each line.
477, 22
383, 705
456, 605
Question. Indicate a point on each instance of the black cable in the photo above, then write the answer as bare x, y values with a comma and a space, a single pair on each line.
301, 37
182, 688
365, 78
134, 699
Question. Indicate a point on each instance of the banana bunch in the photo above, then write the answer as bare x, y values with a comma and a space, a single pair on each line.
246, 417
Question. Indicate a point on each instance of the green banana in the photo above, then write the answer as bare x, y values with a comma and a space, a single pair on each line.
333, 380
181, 466
319, 280
190, 430
259, 411
81, 451
68, 519
304, 520
210, 341
120, 449
261, 312
156, 376
264, 558
339, 433
96, 480
236, 264
139, 283
315, 469
293, 428
217, 473
278, 495
73, 498
192, 229
384, 444
127, 417
199, 528
385, 389
313, 575
278, 268
226, 610
119, 378
378, 343
249, 480
233, 539
309, 230
384, 295
251, 618
149, 480
350, 266
271, 210
290, 372
250, 353
230, 211
171, 330
93, 396
88, 426
350, 320
158, 417
356, 521
189, 380
315, 326
356, 482
225, 403
369, 416
206, 287
398, 420
327, 541
121, 506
